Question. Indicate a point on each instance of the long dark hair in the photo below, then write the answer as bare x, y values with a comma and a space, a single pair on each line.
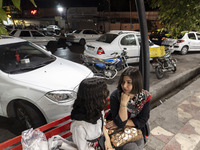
136, 77
91, 97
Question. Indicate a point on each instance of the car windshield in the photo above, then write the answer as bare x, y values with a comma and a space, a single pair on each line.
22, 57
107, 38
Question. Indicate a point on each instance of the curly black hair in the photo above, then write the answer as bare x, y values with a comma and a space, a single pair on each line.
91, 97
136, 77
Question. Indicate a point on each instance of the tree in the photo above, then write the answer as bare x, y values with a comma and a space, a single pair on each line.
178, 16
3, 15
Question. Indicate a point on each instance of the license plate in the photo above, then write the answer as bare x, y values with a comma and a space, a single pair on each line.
91, 48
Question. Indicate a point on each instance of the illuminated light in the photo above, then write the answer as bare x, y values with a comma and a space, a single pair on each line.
180, 41
33, 12
100, 51
60, 9
163, 38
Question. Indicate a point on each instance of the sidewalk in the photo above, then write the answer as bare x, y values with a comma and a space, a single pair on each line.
175, 124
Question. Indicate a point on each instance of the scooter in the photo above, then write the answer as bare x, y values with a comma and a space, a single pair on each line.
164, 64
106, 68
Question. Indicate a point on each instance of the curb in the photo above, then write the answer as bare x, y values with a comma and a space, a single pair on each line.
166, 86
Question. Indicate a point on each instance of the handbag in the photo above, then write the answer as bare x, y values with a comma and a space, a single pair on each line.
57, 142
121, 136
99, 143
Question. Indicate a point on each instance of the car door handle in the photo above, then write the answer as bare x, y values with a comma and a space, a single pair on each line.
125, 48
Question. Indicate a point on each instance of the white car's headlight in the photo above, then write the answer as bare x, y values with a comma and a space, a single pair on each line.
61, 96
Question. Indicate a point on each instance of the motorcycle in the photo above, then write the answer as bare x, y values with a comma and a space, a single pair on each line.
164, 64
106, 68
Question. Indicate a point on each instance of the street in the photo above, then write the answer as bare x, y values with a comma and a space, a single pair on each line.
184, 62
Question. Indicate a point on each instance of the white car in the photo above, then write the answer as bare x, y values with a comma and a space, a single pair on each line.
116, 41
32, 36
36, 86
83, 36
54, 29
187, 41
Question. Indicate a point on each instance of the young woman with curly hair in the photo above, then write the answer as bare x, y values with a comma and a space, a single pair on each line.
129, 105
87, 114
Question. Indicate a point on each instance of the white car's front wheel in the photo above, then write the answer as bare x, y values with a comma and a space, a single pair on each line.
27, 116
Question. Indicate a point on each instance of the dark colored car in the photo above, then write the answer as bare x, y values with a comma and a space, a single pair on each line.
157, 36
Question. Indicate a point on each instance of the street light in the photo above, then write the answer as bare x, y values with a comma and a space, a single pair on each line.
60, 9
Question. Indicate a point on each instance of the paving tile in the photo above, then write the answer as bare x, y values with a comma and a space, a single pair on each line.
197, 146
173, 145
197, 95
197, 116
154, 144
188, 108
195, 124
182, 115
187, 138
187, 129
183, 142
162, 134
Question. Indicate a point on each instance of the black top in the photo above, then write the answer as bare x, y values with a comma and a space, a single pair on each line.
142, 111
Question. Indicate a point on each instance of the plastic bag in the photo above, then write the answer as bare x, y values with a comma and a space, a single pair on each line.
56, 142
34, 140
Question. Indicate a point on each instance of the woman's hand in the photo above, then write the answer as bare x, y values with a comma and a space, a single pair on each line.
111, 125
108, 145
124, 98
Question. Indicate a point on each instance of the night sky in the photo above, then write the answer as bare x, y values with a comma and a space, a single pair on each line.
68, 3
116, 5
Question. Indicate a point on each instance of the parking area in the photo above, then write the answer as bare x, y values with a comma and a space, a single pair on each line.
184, 63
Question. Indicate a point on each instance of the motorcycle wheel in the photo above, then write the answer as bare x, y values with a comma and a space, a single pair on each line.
159, 72
110, 74
174, 66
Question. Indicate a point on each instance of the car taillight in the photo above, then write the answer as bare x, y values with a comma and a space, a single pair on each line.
180, 41
100, 51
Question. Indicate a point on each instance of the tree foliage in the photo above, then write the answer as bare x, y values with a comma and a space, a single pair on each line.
178, 15
3, 15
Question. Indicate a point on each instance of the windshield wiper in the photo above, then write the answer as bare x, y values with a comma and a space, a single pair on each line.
25, 69
32, 67
48, 61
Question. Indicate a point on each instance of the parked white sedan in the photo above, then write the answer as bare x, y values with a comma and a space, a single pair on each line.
54, 29
187, 41
116, 41
36, 86
83, 36
32, 36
